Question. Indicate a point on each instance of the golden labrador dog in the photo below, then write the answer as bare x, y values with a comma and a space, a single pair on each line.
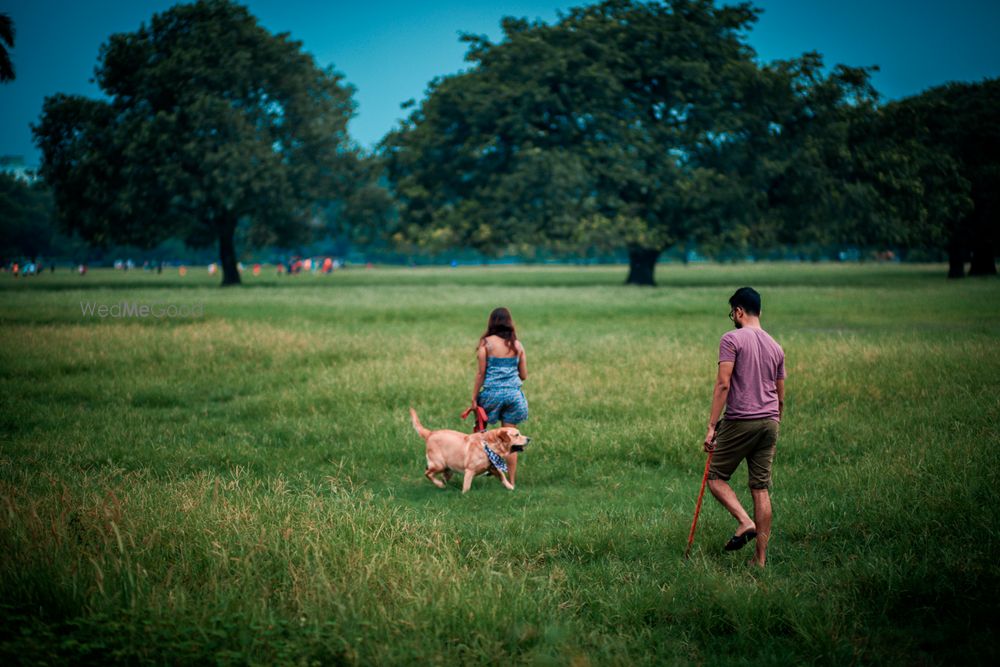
452, 450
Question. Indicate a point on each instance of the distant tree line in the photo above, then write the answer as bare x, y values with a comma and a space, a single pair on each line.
625, 126
28, 226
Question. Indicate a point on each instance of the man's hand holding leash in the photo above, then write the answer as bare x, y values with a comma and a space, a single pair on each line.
709, 445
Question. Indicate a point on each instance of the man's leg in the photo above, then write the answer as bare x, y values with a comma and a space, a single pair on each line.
762, 517
759, 471
730, 448
725, 495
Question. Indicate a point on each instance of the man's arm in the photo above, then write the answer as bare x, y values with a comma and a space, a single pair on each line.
719, 395
780, 386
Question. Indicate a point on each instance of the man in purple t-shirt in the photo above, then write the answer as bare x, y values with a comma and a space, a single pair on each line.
751, 386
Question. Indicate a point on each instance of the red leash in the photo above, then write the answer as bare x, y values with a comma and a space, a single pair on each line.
697, 507
480, 418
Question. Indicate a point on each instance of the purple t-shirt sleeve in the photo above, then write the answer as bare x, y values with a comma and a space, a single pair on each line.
781, 368
727, 349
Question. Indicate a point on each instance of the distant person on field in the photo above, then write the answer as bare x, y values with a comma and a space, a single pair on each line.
501, 368
751, 386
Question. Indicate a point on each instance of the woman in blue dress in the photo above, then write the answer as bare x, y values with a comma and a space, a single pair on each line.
502, 367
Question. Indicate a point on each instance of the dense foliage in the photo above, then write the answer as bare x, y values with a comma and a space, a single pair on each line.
28, 226
211, 122
949, 136
622, 127
651, 125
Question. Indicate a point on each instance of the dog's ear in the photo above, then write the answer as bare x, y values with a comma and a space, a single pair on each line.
499, 441
504, 441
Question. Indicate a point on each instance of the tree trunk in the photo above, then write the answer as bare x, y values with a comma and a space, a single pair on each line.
956, 260
641, 264
227, 253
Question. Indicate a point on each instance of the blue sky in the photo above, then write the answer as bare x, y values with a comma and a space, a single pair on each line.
390, 50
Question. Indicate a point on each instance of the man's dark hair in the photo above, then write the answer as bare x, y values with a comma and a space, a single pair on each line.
746, 298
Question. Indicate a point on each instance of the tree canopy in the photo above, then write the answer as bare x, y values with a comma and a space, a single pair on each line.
950, 135
623, 124
212, 122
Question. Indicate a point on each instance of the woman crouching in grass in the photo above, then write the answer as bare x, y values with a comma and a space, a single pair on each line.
502, 367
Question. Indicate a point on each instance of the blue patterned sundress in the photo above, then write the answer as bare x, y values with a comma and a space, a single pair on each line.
501, 394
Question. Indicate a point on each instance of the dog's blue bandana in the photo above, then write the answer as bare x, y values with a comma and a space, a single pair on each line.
495, 459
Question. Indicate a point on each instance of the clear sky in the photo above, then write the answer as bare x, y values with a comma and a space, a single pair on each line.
390, 49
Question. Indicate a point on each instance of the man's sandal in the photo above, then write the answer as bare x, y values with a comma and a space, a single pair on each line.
737, 542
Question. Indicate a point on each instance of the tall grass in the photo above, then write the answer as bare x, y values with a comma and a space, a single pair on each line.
245, 487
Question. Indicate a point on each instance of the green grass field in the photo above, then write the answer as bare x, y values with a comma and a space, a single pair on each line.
245, 487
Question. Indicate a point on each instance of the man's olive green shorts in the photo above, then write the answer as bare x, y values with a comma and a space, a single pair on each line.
750, 439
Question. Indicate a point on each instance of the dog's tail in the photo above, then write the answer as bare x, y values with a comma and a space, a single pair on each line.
417, 425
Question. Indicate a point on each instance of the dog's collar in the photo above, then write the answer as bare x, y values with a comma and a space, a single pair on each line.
495, 458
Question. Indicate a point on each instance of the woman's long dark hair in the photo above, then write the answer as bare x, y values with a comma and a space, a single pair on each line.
501, 324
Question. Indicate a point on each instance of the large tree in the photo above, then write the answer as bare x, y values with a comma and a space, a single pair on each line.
956, 128
585, 131
626, 124
211, 122
845, 170
918, 193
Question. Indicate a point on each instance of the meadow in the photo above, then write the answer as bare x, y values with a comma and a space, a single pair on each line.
243, 486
